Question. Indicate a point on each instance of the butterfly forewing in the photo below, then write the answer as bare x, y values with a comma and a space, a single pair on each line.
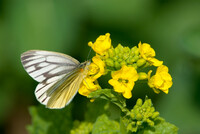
43, 65
59, 75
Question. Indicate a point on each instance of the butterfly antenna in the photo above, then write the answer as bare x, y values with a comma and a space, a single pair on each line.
89, 53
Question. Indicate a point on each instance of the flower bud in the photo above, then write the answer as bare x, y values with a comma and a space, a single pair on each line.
132, 115
139, 102
148, 109
132, 51
132, 60
128, 60
123, 63
134, 65
137, 51
125, 56
150, 123
126, 49
120, 60
136, 110
117, 65
148, 103
106, 55
115, 58
119, 49
139, 123
142, 76
120, 55
155, 114
110, 62
136, 57
152, 109
141, 62
111, 52
139, 116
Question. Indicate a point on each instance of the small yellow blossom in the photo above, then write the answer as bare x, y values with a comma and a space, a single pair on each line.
87, 86
102, 44
123, 80
148, 53
161, 80
96, 68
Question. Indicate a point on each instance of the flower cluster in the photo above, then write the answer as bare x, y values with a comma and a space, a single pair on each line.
142, 113
115, 58
124, 63
82, 128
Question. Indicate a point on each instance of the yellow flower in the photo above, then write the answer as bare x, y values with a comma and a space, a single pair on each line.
96, 68
123, 80
88, 85
102, 44
161, 80
148, 53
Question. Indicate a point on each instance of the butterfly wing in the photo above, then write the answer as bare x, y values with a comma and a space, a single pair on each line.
48, 68
66, 91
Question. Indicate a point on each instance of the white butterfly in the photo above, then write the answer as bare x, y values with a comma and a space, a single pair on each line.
59, 75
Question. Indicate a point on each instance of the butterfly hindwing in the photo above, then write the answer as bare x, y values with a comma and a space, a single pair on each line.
66, 91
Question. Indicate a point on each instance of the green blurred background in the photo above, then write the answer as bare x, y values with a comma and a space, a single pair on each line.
172, 27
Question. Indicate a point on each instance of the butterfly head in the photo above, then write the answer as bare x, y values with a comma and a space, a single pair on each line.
85, 66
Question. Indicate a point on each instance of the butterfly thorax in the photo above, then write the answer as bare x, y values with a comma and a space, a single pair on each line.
84, 67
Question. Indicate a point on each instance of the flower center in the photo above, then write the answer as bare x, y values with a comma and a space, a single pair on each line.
124, 81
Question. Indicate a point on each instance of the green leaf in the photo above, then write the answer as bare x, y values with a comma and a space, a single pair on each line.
105, 126
110, 95
122, 126
161, 127
39, 125
50, 121
95, 109
82, 128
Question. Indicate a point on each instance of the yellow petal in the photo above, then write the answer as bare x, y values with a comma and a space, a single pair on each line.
166, 91
151, 82
127, 94
148, 53
166, 76
100, 64
123, 80
155, 62
166, 85
146, 50
118, 87
158, 81
162, 68
128, 73
162, 80
130, 85
102, 44
83, 91
93, 69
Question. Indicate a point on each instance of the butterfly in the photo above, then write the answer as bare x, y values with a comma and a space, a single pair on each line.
59, 76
